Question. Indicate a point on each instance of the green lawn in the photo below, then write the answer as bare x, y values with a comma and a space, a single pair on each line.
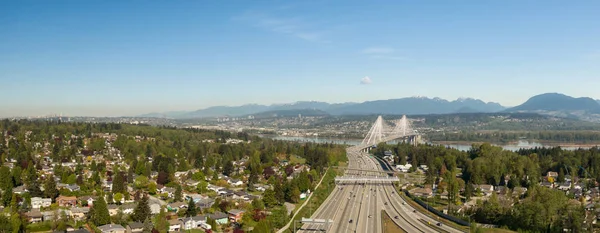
295, 159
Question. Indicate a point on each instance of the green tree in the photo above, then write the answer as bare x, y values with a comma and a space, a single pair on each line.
141, 182
118, 197
269, 198
118, 185
152, 188
202, 187
147, 226
72, 179
50, 190
212, 223
192, 209
160, 222
99, 210
258, 204
295, 194
5, 178
5, 224
263, 226
177, 195
228, 168
142, 210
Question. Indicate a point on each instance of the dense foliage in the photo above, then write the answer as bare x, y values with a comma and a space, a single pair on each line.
455, 172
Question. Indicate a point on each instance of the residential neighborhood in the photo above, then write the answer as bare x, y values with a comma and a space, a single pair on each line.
115, 182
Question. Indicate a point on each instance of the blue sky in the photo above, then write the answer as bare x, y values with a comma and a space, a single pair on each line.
111, 58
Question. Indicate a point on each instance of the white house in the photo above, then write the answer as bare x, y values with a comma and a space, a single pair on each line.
193, 222
38, 202
404, 168
174, 225
235, 182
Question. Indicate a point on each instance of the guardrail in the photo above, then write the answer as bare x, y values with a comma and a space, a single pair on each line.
437, 212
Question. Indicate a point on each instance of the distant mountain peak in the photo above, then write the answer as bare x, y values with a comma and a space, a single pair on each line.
558, 102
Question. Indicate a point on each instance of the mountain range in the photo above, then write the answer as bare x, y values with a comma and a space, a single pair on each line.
410, 105
554, 104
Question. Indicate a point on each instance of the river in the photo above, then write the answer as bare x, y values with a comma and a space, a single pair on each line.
521, 144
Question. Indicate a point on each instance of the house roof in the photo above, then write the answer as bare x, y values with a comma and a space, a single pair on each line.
235, 211
174, 222
66, 198
218, 215
34, 214
135, 225
80, 230
111, 227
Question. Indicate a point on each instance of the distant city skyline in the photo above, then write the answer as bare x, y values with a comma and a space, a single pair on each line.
118, 58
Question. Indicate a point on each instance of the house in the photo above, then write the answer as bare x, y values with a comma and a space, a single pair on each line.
135, 227
235, 215
404, 168
565, 186
193, 222
175, 206
111, 228
72, 187
485, 188
552, 174
52, 215
78, 214
34, 216
128, 208
205, 203
192, 183
219, 217
86, 200
174, 225
547, 184
240, 195
195, 197
38, 202
20, 190
66, 201
169, 191
214, 188
80, 230
235, 182
113, 209
422, 192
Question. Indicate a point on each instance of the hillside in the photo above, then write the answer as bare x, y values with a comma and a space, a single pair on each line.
411, 105
557, 102
418, 105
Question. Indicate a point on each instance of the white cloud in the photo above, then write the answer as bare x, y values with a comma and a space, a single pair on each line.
290, 26
387, 57
378, 50
365, 80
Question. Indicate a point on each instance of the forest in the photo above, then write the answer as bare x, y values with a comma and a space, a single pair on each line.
573, 137
540, 209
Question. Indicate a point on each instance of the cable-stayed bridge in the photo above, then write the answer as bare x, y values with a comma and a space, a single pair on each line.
381, 131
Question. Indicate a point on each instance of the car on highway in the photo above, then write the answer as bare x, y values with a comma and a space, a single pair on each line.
370, 216
396, 217
385, 203
439, 224
350, 221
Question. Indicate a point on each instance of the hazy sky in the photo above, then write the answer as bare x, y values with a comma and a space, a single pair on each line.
130, 57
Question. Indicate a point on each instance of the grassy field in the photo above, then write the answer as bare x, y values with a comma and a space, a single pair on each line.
388, 224
295, 159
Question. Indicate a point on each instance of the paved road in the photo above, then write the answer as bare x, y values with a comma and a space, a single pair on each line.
357, 207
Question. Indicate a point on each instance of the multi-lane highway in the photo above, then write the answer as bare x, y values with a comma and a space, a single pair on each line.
356, 207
